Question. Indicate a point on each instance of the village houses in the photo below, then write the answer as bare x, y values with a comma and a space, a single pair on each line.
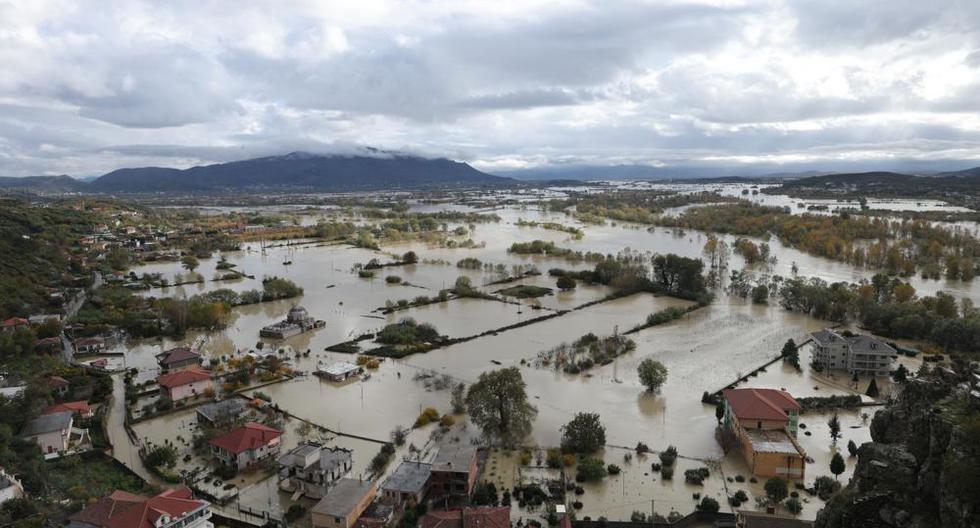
762, 424
246, 445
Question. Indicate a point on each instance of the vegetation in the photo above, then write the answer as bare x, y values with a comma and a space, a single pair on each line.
525, 291
583, 434
776, 490
497, 403
407, 332
585, 352
837, 465
590, 469
652, 374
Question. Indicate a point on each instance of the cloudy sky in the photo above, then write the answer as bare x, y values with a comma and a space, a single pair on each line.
87, 87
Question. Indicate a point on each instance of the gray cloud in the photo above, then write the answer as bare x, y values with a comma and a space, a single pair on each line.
92, 87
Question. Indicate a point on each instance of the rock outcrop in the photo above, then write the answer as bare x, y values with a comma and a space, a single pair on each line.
922, 468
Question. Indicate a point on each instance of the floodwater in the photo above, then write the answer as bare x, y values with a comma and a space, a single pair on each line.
704, 351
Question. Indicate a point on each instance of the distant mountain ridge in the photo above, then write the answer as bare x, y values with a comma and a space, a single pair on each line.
301, 171
956, 187
44, 184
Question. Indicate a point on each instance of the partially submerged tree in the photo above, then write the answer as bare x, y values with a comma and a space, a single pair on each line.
834, 425
583, 434
652, 373
498, 405
776, 490
837, 465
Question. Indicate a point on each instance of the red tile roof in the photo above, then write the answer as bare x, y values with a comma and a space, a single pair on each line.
761, 404
85, 341
248, 436
173, 503
468, 518
14, 321
58, 381
80, 407
177, 355
99, 513
183, 377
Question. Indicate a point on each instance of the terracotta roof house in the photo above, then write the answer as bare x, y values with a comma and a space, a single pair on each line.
60, 386
246, 445
178, 358
763, 423
186, 383
9, 325
170, 509
78, 408
48, 344
493, 517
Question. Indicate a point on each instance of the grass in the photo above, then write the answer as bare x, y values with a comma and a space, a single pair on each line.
525, 291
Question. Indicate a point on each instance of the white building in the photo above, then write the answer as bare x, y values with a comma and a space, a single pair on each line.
859, 354
10, 487
311, 469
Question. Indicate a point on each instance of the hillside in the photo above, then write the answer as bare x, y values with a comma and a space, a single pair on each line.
300, 171
43, 184
958, 188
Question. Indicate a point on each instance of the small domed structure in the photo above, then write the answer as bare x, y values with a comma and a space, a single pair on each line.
297, 314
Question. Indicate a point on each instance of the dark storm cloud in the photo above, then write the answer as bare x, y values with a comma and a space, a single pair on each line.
91, 87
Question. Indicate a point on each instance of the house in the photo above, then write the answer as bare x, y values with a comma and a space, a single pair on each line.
763, 423
59, 386
296, 322
407, 485
475, 517
311, 469
858, 354
178, 359
12, 324
51, 431
48, 345
339, 371
246, 445
343, 504
10, 487
183, 384
89, 345
173, 508
220, 412
454, 470
377, 515
754, 519
79, 408
40, 319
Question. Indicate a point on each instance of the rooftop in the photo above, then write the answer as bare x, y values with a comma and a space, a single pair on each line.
225, 408
343, 497
475, 517
80, 407
409, 477
47, 423
858, 344
340, 368
772, 441
177, 355
126, 510
248, 436
761, 404
183, 377
454, 456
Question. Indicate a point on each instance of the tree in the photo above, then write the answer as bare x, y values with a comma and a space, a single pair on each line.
565, 283
652, 374
498, 405
590, 469
190, 262
837, 465
776, 489
410, 257
708, 505
720, 411
458, 398
872, 391
583, 434
901, 374
791, 354
834, 425
794, 506
852, 448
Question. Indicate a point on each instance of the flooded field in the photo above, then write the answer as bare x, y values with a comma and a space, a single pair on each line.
703, 351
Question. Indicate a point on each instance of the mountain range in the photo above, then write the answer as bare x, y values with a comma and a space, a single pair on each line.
297, 171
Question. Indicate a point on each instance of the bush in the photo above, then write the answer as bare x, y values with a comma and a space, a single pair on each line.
668, 456
553, 458
393, 279
365, 274
613, 469
427, 416
794, 506
667, 472
708, 505
696, 476
590, 469
295, 513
